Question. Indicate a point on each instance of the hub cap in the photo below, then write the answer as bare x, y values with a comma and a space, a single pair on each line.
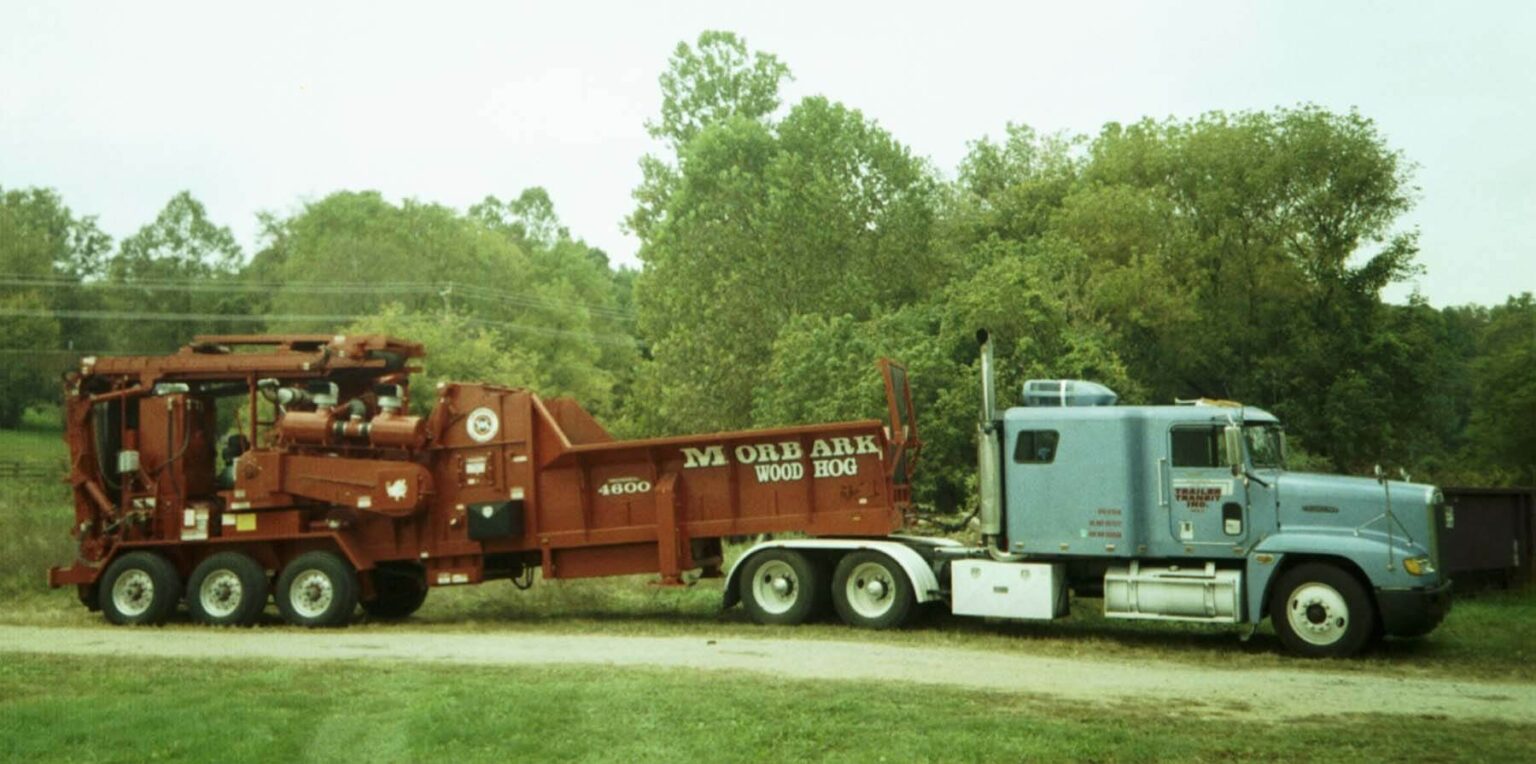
776, 587
133, 593
870, 589
221, 593
1318, 614
311, 593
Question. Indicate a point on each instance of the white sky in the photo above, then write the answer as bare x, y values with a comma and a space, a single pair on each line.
257, 106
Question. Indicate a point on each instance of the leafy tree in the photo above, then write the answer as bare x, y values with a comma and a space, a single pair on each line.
714, 81
757, 222
178, 265
45, 253
24, 380
458, 350
509, 268
1504, 390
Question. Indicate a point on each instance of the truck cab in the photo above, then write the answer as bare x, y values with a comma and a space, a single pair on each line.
1187, 512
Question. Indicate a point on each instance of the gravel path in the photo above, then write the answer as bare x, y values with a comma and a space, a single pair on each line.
1258, 693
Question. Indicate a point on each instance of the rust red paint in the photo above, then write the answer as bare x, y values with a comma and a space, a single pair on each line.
381, 486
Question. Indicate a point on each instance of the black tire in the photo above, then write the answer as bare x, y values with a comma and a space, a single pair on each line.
399, 591
782, 586
227, 589
871, 591
317, 589
1322, 611
139, 589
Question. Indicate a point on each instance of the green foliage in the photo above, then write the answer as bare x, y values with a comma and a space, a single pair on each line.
1503, 427
175, 265
756, 222
26, 325
45, 252
715, 80
459, 350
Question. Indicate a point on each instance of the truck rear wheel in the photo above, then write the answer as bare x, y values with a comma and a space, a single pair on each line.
780, 586
399, 591
140, 589
871, 591
1321, 611
317, 589
227, 589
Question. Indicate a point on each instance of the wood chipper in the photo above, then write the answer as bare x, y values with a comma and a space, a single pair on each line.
289, 465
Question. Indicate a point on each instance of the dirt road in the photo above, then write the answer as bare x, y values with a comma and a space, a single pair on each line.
1258, 693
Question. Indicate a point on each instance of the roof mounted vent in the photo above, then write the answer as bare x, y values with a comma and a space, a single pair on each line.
1067, 392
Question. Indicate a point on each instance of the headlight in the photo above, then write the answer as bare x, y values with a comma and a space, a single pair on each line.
1418, 566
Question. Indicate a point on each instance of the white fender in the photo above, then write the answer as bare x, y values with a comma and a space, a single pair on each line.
925, 584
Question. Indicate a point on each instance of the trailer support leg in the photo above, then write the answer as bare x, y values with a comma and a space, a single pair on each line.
669, 541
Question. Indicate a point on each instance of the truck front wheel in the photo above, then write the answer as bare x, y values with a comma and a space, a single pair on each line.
780, 586
140, 589
317, 589
871, 591
1321, 611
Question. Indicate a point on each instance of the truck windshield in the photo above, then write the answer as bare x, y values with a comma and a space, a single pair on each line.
1265, 445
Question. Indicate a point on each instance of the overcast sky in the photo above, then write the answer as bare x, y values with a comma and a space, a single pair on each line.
259, 106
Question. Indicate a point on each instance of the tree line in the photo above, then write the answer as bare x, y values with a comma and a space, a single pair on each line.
785, 246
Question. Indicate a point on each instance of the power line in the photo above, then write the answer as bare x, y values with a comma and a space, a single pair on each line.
322, 288
114, 315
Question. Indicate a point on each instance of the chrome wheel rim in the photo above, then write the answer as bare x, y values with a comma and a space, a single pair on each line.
775, 587
311, 593
133, 592
1318, 614
221, 593
870, 590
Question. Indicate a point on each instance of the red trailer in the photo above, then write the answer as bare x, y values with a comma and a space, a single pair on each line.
290, 465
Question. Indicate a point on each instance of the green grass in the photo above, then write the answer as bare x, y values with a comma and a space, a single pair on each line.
69, 709
39, 439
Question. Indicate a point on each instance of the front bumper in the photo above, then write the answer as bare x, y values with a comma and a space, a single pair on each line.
1413, 612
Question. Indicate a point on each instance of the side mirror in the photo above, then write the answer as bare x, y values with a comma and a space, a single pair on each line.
1234, 446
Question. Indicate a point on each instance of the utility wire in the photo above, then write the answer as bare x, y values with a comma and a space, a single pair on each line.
326, 288
114, 315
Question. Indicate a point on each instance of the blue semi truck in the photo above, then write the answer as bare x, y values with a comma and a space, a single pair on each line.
1174, 513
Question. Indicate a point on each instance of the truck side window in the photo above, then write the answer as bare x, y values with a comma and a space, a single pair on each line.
1036, 447
1199, 446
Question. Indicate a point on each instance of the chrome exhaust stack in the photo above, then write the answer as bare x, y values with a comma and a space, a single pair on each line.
988, 458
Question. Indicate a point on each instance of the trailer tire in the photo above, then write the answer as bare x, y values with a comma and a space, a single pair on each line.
140, 589
782, 586
1321, 611
317, 589
871, 591
399, 591
227, 589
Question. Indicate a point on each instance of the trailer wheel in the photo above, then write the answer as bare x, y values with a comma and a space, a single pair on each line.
317, 589
1321, 611
781, 586
871, 591
227, 589
140, 589
400, 590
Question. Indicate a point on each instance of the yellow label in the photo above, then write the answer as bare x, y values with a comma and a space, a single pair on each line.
245, 522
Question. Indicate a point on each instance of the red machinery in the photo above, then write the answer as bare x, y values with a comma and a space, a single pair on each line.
330, 494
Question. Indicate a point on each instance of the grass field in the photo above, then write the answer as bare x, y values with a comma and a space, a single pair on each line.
57, 709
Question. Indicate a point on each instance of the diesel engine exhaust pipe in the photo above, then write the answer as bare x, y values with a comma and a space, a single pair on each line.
988, 460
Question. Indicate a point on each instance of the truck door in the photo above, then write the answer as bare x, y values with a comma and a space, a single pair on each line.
1207, 505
